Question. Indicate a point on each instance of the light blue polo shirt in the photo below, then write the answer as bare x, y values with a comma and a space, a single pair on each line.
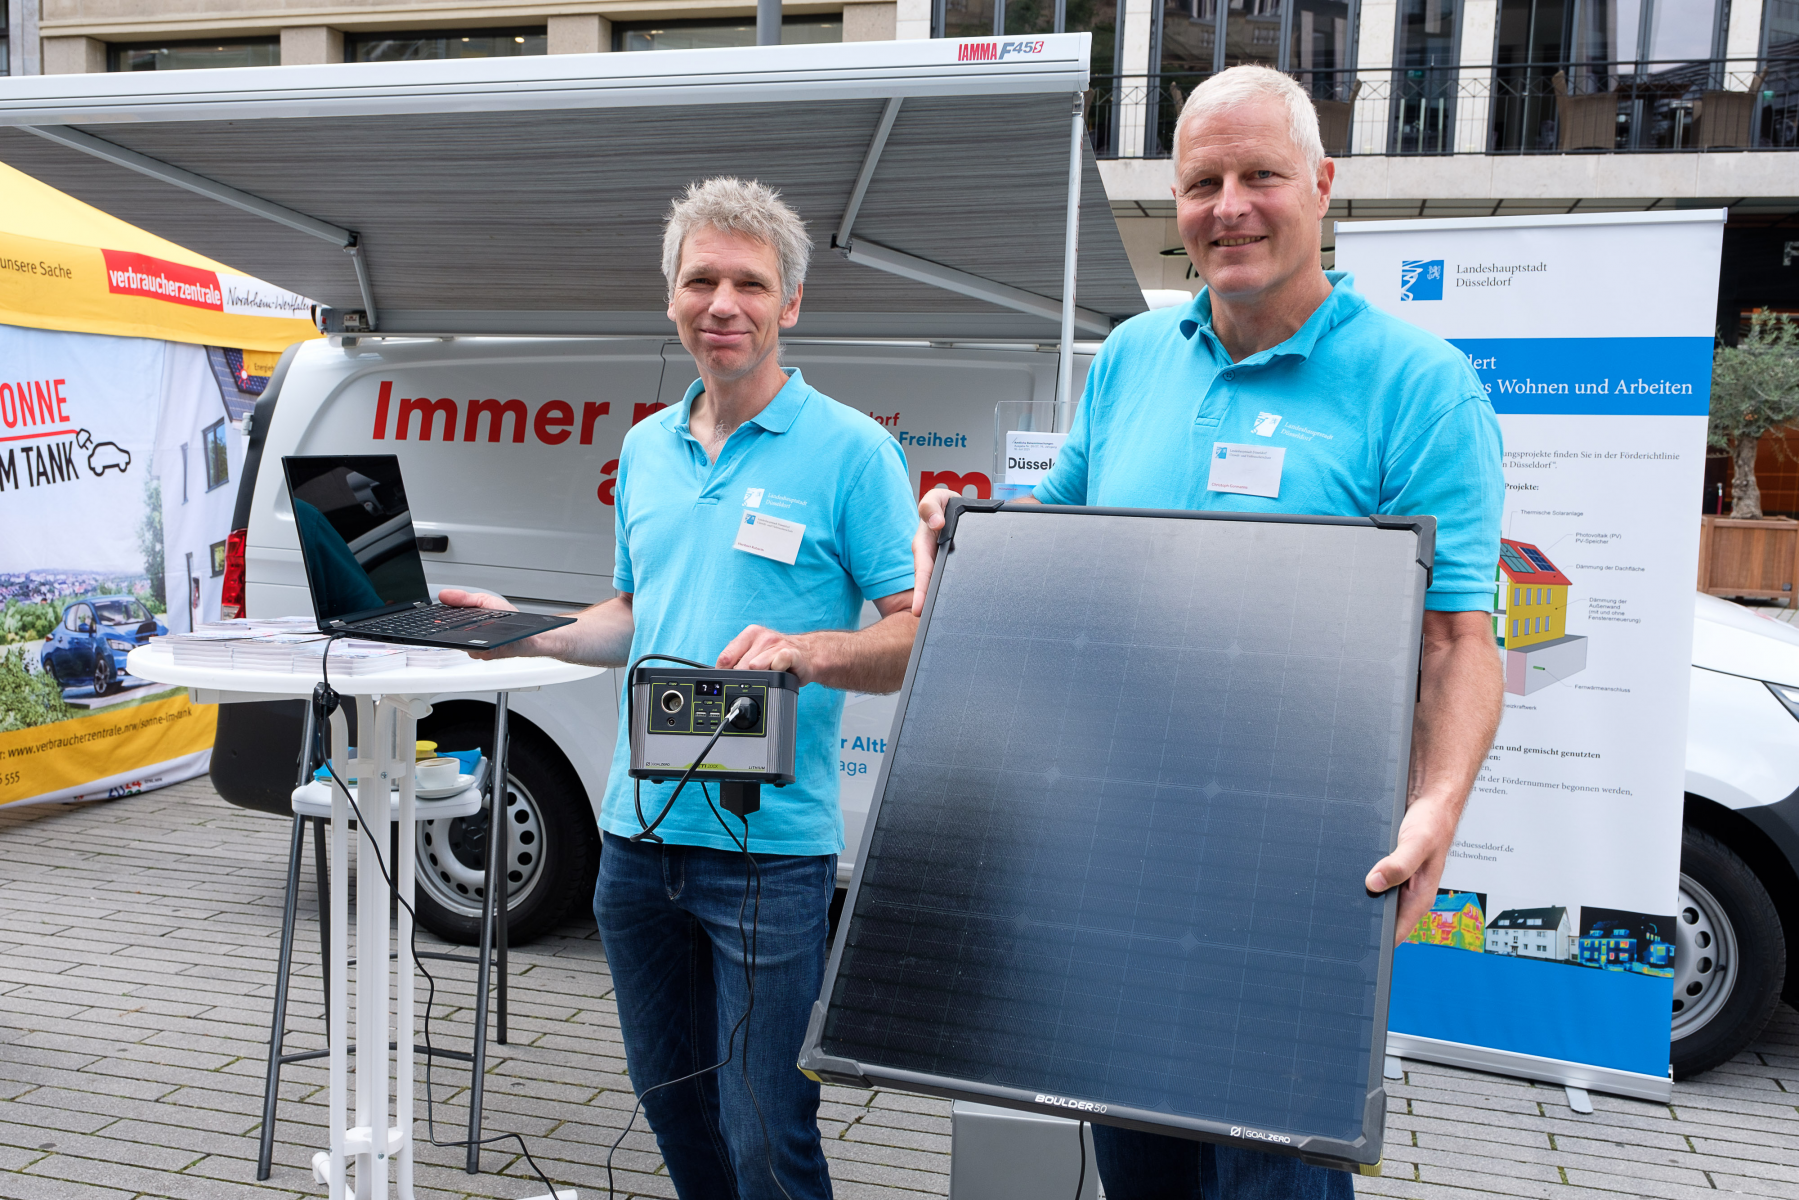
804, 458
1375, 416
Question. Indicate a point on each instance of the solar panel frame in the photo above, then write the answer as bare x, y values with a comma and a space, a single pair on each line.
1358, 1152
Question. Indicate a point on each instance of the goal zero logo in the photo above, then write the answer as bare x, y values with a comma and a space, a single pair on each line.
1256, 1135
1065, 1102
996, 51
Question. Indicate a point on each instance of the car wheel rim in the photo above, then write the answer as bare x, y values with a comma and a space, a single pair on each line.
1705, 958
453, 851
101, 675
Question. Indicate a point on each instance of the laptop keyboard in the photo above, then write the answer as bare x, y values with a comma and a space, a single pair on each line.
423, 622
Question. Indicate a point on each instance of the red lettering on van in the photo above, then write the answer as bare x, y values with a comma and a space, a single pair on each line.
552, 422
983, 486
607, 495
428, 411
497, 412
591, 412
640, 411
387, 389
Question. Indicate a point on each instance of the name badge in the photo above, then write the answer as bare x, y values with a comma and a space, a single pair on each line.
1246, 470
770, 537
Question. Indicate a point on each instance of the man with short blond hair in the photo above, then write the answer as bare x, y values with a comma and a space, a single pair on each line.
1374, 415
748, 438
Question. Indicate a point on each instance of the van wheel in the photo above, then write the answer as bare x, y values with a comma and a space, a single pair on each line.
552, 846
1729, 958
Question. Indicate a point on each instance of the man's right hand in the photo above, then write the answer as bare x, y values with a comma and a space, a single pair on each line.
924, 542
527, 647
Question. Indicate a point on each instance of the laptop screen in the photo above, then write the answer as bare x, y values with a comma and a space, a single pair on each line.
355, 534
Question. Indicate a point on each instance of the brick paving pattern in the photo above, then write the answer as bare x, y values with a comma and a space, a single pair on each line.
137, 947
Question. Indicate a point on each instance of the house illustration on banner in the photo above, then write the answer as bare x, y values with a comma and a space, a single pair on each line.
1530, 620
1544, 933
1455, 920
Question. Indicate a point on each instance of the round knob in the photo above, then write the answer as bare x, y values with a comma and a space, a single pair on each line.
748, 713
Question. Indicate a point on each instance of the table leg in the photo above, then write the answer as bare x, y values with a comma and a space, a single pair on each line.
405, 877
373, 971
338, 987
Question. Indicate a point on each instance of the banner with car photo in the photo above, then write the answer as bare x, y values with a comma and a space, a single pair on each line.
1558, 938
117, 456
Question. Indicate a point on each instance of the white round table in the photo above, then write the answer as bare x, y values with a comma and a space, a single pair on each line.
389, 705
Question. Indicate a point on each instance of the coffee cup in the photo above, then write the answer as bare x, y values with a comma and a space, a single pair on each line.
437, 772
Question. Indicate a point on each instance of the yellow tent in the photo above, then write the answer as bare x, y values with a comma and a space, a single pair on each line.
66, 265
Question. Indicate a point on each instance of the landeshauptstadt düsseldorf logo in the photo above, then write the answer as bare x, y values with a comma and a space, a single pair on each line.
1421, 279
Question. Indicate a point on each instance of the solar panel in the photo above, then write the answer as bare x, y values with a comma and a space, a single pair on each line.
1536, 556
1512, 558
1113, 869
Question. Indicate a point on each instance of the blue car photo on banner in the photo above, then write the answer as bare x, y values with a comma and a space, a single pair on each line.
1551, 949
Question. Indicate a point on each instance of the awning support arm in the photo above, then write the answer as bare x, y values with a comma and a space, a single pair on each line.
875, 146
921, 270
1071, 237
212, 189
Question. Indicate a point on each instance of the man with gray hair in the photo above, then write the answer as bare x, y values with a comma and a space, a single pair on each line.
700, 980
1371, 415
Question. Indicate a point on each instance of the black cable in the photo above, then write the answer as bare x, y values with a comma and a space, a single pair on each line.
648, 832
1080, 1181
331, 701
649, 829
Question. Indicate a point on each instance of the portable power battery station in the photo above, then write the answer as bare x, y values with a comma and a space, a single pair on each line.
676, 712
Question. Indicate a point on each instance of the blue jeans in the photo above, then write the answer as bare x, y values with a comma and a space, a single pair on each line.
668, 917
1149, 1166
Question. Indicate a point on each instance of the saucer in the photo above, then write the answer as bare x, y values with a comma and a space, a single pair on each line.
463, 783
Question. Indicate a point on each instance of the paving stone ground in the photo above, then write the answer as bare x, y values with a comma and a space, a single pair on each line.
137, 947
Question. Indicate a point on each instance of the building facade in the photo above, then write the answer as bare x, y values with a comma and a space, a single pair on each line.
1430, 107
1544, 933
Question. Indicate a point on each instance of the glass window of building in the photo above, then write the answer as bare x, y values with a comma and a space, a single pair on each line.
189, 56
966, 18
1780, 29
5, 66
712, 35
1425, 54
446, 43
218, 463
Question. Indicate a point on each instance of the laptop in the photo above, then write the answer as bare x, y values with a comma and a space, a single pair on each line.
363, 566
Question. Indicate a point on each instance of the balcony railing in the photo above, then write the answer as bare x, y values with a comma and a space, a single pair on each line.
1527, 108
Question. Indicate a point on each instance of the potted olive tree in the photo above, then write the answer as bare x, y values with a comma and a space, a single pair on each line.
1755, 390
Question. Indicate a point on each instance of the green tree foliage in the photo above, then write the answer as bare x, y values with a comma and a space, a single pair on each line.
1755, 389
28, 698
149, 540
27, 622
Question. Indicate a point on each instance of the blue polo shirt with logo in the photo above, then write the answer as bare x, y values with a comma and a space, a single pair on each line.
1375, 416
805, 459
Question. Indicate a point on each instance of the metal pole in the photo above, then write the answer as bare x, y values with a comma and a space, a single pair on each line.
768, 22
278, 1021
493, 888
1065, 399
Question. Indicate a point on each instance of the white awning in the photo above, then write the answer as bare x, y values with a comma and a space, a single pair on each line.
526, 195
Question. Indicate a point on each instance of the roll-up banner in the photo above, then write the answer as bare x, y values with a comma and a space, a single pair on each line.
1550, 951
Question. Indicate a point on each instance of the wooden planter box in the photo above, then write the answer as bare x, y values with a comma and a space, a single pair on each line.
1753, 559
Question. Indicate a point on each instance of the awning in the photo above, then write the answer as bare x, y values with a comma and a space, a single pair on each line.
526, 195
65, 265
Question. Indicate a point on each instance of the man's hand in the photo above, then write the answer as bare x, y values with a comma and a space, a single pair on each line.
924, 542
867, 660
1452, 728
761, 649
525, 648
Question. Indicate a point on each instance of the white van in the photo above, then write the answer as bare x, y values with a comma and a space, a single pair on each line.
509, 448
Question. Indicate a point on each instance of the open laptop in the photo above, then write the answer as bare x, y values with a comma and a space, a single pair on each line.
362, 560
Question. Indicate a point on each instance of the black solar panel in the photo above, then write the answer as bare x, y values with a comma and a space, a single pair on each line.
1114, 866
1536, 556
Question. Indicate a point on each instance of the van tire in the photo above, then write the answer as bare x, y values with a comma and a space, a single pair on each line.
1731, 957
546, 798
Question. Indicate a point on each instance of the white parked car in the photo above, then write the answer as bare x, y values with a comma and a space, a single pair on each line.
1739, 863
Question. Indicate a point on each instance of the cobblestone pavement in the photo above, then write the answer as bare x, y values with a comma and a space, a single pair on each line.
137, 968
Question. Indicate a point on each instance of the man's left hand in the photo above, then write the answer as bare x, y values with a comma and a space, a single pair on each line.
761, 649
1461, 697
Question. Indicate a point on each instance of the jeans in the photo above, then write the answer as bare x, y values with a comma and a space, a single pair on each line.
668, 916
1148, 1166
